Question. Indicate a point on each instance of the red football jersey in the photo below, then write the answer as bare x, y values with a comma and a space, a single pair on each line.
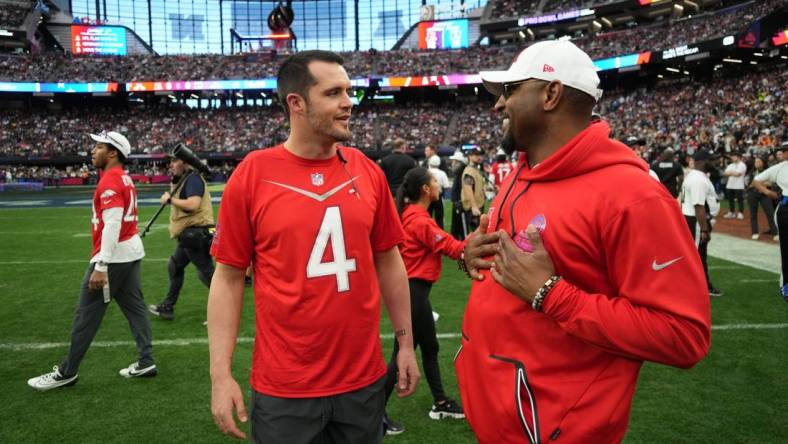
115, 189
500, 170
310, 227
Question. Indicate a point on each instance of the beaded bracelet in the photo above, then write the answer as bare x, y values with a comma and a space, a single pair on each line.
461, 265
538, 301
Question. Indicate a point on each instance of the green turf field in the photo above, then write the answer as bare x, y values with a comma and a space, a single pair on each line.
739, 393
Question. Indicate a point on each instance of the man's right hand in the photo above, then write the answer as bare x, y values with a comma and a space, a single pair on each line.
226, 399
475, 212
480, 245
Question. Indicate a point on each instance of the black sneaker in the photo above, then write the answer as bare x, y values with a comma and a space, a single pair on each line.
166, 312
392, 427
448, 409
714, 292
247, 281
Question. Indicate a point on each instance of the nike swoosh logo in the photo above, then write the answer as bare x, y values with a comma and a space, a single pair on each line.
656, 267
311, 195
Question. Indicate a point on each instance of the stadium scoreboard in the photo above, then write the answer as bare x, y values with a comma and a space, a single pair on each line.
98, 40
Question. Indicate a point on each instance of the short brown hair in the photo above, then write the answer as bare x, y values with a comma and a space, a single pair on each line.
294, 76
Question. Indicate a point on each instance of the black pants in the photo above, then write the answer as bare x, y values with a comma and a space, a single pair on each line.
754, 198
194, 245
348, 418
781, 216
424, 336
733, 197
436, 211
692, 222
457, 221
125, 287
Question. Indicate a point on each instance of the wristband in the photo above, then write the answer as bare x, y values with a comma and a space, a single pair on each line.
462, 266
541, 294
101, 267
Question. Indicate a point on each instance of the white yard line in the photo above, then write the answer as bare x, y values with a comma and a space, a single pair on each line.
71, 261
247, 340
761, 255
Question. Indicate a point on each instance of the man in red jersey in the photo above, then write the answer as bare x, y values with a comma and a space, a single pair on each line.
319, 225
114, 270
591, 269
501, 168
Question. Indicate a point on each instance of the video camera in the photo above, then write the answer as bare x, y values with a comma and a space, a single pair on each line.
188, 157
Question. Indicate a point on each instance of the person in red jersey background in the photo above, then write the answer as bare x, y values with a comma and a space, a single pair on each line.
318, 223
583, 269
114, 270
424, 245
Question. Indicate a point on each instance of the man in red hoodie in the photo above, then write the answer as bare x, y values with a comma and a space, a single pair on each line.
583, 268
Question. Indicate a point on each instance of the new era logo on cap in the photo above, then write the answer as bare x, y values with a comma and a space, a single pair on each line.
547, 68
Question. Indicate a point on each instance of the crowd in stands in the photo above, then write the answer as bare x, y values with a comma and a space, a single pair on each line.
150, 130
666, 34
748, 113
13, 14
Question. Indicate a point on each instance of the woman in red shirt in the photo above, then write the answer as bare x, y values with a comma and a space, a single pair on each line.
421, 251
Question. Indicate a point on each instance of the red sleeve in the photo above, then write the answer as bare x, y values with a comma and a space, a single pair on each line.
387, 228
233, 243
111, 195
437, 240
660, 312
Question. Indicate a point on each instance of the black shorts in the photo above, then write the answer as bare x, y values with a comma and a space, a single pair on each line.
355, 418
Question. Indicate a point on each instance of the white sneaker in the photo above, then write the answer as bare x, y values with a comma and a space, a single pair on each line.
729, 216
134, 371
756, 236
51, 380
739, 216
436, 316
777, 238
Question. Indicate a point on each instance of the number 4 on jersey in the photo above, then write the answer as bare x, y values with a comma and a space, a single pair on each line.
331, 227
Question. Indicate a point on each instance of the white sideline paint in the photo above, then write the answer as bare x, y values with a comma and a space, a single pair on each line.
760, 255
247, 340
72, 261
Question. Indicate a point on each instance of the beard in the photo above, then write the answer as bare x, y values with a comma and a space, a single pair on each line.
325, 127
508, 144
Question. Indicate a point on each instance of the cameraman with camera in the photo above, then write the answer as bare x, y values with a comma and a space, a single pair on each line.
191, 218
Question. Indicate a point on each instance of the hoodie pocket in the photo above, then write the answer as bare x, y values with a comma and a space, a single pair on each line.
524, 399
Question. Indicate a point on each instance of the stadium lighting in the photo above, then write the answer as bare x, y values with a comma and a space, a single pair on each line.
660, 76
686, 73
671, 69
731, 60
194, 96
759, 54
753, 62
784, 57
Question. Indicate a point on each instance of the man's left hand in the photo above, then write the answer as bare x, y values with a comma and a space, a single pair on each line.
522, 273
98, 279
165, 198
408, 372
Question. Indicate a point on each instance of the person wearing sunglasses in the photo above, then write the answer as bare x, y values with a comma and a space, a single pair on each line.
583, 268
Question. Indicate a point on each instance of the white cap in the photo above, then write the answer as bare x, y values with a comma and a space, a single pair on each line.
549, 60
434, 161
457, 156
115, 139
500, 152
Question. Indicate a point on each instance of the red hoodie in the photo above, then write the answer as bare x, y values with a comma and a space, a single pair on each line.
424, 244
633, 290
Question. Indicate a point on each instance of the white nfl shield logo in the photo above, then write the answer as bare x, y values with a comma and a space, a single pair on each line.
317, 179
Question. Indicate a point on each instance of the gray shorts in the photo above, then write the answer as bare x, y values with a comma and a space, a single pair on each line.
355, 417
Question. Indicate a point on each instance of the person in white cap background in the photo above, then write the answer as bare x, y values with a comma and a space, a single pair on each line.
114, 269
583, 268
436, 208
